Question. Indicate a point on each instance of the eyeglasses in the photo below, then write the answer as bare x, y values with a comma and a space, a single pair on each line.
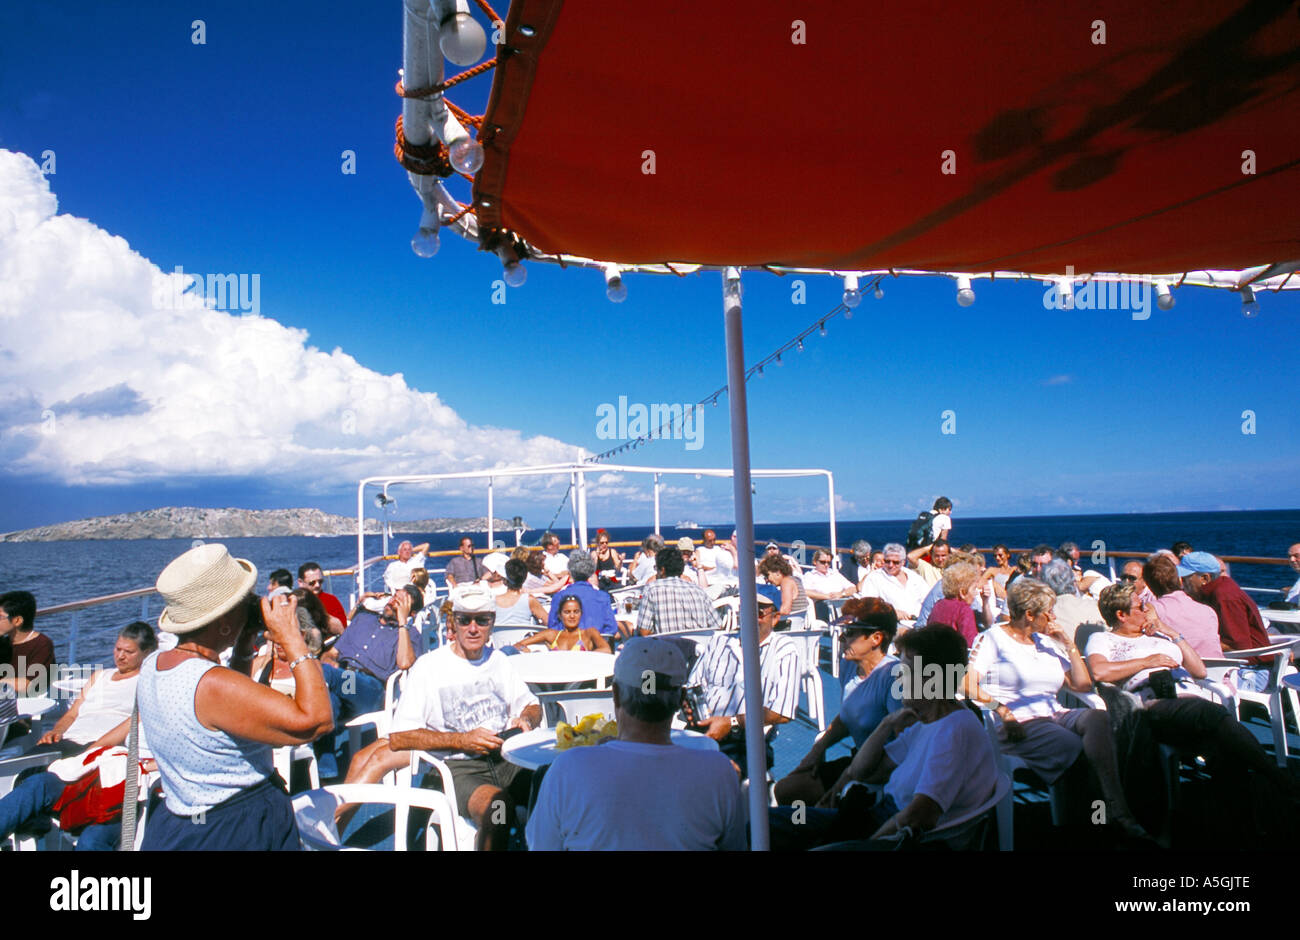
483, 620
317, 583
1128, 577
893, 561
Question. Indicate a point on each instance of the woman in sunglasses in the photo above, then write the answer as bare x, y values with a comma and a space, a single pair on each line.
609, 563
571, 636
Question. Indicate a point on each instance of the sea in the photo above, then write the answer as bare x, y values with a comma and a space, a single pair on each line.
63, 572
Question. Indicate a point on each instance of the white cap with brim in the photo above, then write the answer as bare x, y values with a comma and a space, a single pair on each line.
202, 585
495, 562
472, 599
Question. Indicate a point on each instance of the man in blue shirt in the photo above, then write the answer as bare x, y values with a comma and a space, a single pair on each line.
597, 605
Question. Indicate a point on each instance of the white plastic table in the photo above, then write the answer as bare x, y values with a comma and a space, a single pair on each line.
1286, 621
33, 708
536, 748
563, 666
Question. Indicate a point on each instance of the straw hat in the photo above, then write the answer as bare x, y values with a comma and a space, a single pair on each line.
201, 585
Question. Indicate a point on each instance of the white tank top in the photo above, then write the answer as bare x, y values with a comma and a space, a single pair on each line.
108, 703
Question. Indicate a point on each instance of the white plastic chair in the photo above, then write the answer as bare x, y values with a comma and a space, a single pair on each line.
1008, 764
1271, 696
465, 831
285, 757
314, 813
392, 691
509, 636
576, 704
810, 678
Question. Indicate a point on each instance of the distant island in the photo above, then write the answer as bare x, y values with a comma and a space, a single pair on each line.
189, 522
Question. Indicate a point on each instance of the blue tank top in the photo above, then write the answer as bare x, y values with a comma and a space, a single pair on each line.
200, 768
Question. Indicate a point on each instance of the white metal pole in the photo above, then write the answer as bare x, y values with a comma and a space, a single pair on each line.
490, 512
830, 496
582, 509
755, 746
361, 539
573, 510
656, 504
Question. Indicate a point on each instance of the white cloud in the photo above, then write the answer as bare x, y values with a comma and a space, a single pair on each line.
104, 383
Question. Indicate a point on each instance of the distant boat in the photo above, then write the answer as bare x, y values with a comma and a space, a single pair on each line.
687, 525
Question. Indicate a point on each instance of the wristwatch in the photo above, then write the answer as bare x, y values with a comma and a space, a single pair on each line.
735, 723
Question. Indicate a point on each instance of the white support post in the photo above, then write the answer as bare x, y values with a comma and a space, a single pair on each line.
491, 511
656, 504
573, 509
582, 509
830, 497
755, 746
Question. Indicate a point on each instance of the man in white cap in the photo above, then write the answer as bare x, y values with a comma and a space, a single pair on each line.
458, 701
493, 576
664, 796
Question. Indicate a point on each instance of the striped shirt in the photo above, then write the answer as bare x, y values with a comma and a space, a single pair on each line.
671, 605
720, 670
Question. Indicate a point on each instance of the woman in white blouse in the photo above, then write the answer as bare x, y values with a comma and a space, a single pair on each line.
1013, 667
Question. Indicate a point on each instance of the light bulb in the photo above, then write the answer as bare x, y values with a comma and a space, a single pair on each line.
515, 274
1249, 306
821, 328
1064, 294
462, 39
778, 360
425, 243
965, 295
801, 345
852, 295
615, 289
466, 155
1164, 297
878, 292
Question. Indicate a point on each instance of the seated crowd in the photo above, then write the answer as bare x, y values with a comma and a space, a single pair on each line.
1020, 645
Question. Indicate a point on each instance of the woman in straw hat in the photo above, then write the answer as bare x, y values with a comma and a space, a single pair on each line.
211, 729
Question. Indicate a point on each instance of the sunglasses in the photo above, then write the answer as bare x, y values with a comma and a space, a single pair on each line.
483, 620
1128, 577
316, 583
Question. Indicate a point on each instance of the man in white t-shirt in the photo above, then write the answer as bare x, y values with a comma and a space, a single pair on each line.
398, 573
457, 702
554, 560
641, 792
1293, 595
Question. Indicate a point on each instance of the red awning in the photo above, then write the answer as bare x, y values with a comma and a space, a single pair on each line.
1123, 156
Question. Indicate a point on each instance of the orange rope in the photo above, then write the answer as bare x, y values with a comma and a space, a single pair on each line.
465, 117
491, 13
424, 159
432, 90
456, 218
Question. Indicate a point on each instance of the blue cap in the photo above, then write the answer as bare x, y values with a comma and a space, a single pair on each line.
1198, 563
769, 594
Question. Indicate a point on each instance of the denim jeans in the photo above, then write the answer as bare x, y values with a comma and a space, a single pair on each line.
34, 796
351, 693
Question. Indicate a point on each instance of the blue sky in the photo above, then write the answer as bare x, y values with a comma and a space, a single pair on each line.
225, 157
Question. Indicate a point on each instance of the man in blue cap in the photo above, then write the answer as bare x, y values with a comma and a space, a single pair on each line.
720, 673
1240, 625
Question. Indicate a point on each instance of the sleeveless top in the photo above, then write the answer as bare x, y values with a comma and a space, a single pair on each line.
200, 768
516, 615
107, 705
554, 644
606, 563
800, 604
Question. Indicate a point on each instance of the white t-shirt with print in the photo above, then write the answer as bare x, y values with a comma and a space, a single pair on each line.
445, 692
1118, 649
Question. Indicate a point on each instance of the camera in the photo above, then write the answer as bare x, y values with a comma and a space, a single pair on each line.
694, 698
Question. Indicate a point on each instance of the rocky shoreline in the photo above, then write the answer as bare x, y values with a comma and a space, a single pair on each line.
185, 522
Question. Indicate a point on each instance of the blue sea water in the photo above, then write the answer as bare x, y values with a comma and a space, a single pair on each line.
61, 572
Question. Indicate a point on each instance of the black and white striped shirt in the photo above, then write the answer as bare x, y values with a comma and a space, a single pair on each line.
720, 670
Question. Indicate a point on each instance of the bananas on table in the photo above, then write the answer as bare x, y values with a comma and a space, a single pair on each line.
592, 729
